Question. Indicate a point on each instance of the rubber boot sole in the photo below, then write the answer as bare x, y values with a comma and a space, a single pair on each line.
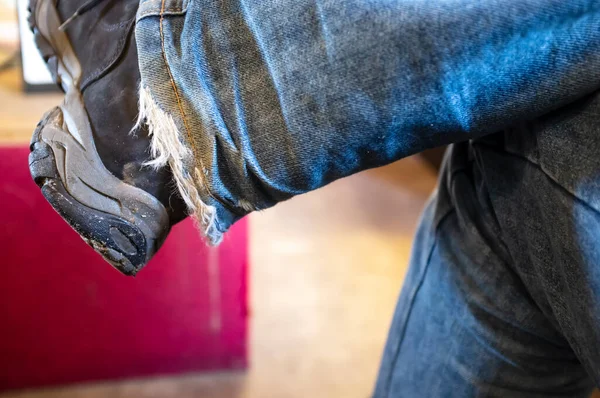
123, 223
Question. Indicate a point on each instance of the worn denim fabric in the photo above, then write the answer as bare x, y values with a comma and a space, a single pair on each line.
280, 97
502, 297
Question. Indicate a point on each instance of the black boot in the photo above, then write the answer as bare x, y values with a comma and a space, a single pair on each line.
84, 156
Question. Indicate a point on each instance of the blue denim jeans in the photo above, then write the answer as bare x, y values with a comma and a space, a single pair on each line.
256, 101
502, 297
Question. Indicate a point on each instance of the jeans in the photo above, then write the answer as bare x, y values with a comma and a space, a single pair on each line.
502, 297
255, 101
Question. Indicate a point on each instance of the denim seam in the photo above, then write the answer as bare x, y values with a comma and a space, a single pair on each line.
546, 173
412, 300
153, 8
181, 110
166, 13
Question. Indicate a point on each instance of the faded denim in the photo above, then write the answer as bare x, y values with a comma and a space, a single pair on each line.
280, 97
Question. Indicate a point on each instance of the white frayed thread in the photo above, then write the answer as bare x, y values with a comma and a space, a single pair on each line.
166, 147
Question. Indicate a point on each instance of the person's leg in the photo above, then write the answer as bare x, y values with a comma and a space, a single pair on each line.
466, 324
252, 102
544, 185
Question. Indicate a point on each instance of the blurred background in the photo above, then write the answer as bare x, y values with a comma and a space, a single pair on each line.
295, 303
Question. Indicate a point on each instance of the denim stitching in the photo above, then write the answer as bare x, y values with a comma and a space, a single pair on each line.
180, 105
159, 7
154, 13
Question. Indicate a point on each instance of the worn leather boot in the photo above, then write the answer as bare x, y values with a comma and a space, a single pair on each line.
84, 156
